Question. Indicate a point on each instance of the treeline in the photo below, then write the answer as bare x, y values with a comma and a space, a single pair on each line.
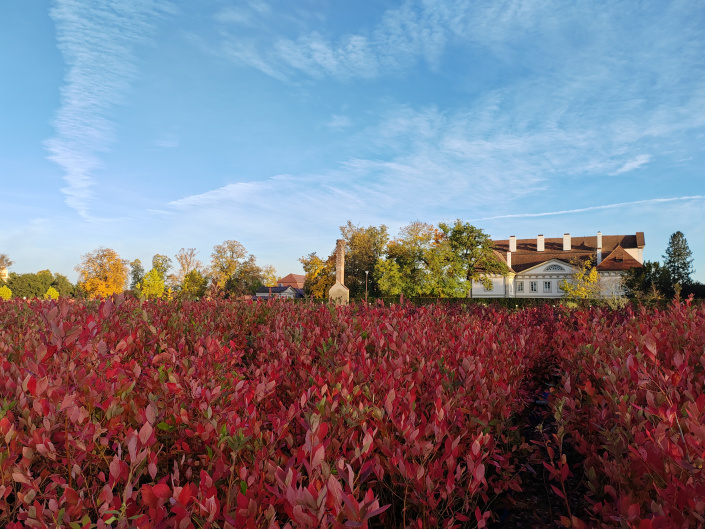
232, 272
423, 260
658, 281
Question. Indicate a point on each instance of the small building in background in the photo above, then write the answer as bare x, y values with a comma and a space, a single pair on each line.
279, 292
292, 280
538, 266
4, 275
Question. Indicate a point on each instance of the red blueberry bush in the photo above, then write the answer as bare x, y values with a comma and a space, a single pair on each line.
235, 414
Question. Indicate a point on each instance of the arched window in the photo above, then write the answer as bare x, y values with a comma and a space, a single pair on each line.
555, 268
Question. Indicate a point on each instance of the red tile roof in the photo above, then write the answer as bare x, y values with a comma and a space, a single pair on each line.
581, 248
619, 259
292, 280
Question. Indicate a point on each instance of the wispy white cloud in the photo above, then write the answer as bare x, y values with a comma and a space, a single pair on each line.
97, 40
170, 141
337, 122
637, 162
595, 208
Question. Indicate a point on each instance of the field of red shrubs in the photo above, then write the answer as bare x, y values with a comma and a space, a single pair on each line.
236, 414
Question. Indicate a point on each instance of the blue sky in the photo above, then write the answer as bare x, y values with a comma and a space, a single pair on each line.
147, 125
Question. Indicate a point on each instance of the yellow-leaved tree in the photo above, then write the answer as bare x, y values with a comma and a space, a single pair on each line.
5, 293
102, 273
583, 283
269, 276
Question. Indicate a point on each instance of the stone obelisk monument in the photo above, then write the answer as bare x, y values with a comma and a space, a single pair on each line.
339, 293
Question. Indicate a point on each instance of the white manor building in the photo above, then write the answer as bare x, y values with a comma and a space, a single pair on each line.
538, 266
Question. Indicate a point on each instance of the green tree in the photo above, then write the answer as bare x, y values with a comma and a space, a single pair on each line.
234, 272
63, 286
102, 273
388, 277
194, 285
226, 259
246, 280
364, 246
320, 275
152, 286
28, 285
51, 293
650, 281
473, 256
162, 264
583, 283
136, 274
5, 293
678, 260
412, 252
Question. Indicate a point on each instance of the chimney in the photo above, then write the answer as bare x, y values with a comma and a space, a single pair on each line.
566, 242
509, 259
599, 247
512, 243
340, 261
539, 243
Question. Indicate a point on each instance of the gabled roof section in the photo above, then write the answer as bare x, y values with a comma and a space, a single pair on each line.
581, 249
568, 266
293, 280
618, 259
274, 290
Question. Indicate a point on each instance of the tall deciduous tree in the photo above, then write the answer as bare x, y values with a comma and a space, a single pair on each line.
187, 262
162, 264
63, 286
473, 256
414, 264
364, 246
136, 274
320, 275
194, 285
269, 276
225, 261
678, 260
583, 283
102, 272
233, 271
152, 286
5, 262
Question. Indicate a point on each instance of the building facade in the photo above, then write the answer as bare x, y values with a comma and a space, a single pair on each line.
538, 266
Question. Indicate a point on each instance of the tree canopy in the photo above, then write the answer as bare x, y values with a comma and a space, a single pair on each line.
36, 285
583, 283
102, 273
152, 285
320, 275
233, 271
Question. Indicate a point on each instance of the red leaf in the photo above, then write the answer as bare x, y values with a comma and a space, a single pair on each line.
558, 491
71, 496
319, 454
145, 433
185, 495
162, 490
148, 497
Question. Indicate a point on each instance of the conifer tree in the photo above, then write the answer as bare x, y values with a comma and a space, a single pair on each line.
678, 260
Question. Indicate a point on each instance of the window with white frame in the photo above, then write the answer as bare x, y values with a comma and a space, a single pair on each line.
534, 285
520, 286
546, 286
